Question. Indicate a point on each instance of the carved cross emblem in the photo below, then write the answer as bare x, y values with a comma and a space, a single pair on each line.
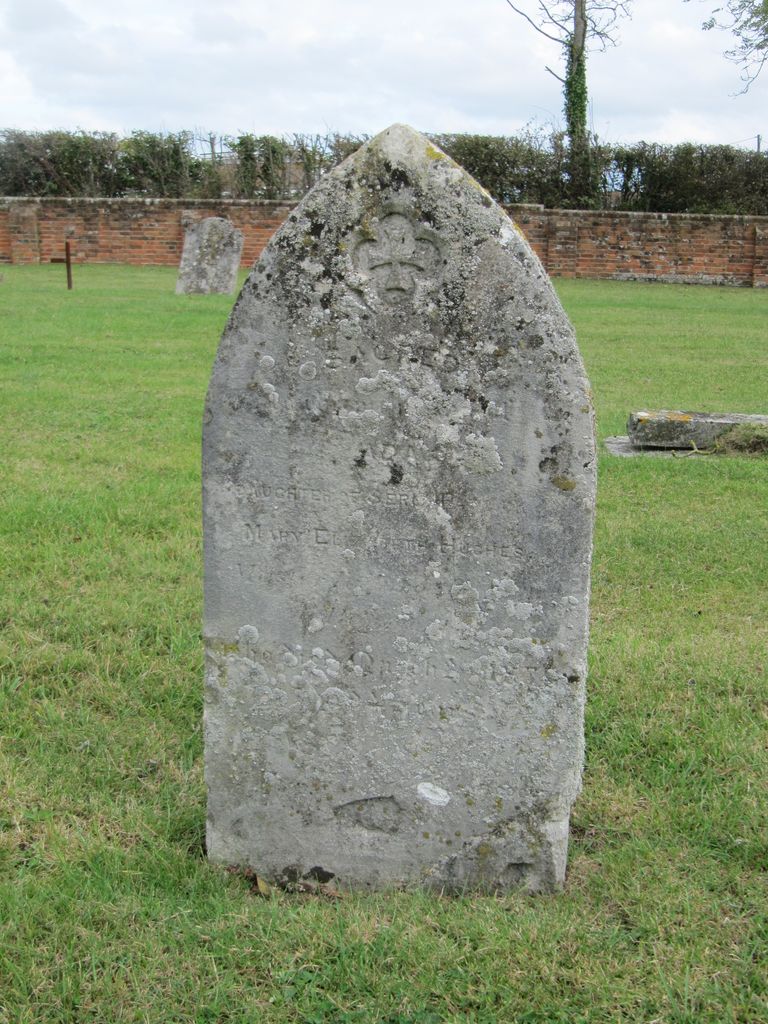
397, 257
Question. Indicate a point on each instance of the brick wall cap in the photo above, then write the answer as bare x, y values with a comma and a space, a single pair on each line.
735, 218
159, 202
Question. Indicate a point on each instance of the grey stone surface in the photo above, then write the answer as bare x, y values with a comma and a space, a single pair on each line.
620, 445
623, 447
399, 481
210, 258
666, 428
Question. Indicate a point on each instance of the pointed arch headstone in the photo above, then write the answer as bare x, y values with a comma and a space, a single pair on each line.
398, 501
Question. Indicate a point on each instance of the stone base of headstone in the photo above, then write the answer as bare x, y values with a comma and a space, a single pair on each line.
398, 830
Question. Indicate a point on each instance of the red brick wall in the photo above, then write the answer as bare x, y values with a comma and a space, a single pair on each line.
694, 248
760, 269
5, 237
21, 225
124, 230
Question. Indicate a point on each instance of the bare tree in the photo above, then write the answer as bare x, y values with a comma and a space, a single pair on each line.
748, 21
573, 24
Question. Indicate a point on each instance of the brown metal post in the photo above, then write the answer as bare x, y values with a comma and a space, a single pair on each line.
68, 258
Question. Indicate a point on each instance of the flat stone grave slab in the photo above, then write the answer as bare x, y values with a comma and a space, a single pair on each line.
621, 445
666, 428
399, 484
210, 258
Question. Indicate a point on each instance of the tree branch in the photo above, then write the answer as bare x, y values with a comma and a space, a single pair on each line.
748, 21
554, 19
554, 74
533, 24
560, 22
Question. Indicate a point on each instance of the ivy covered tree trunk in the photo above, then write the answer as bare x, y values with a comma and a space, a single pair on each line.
581, 189
569, 23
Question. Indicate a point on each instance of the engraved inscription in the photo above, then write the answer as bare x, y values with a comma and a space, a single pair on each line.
477, 547
275, 507
318, 498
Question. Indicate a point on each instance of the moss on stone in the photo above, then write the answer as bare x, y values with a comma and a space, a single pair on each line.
744, 439
222, 647
564, 483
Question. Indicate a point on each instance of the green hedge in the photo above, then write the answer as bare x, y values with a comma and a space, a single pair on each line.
530, 167
691, 178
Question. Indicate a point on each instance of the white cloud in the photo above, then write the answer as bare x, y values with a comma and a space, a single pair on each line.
344, 65
39, 17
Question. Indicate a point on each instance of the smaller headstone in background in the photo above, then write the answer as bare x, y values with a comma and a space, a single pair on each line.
666, 428
210, 258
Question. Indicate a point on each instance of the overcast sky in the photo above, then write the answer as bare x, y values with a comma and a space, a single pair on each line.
231, 66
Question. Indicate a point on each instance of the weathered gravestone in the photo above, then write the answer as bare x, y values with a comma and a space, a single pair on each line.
210, 258
399, 489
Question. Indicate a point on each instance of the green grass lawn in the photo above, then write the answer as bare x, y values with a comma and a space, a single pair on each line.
109, 911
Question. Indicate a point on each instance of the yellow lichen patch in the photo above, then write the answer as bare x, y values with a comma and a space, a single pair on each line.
222, 647
548, 730
366, 229
564, 483
679, 417
434, 153
487, 197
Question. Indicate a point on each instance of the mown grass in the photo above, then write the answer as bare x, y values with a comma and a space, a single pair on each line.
109, 911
